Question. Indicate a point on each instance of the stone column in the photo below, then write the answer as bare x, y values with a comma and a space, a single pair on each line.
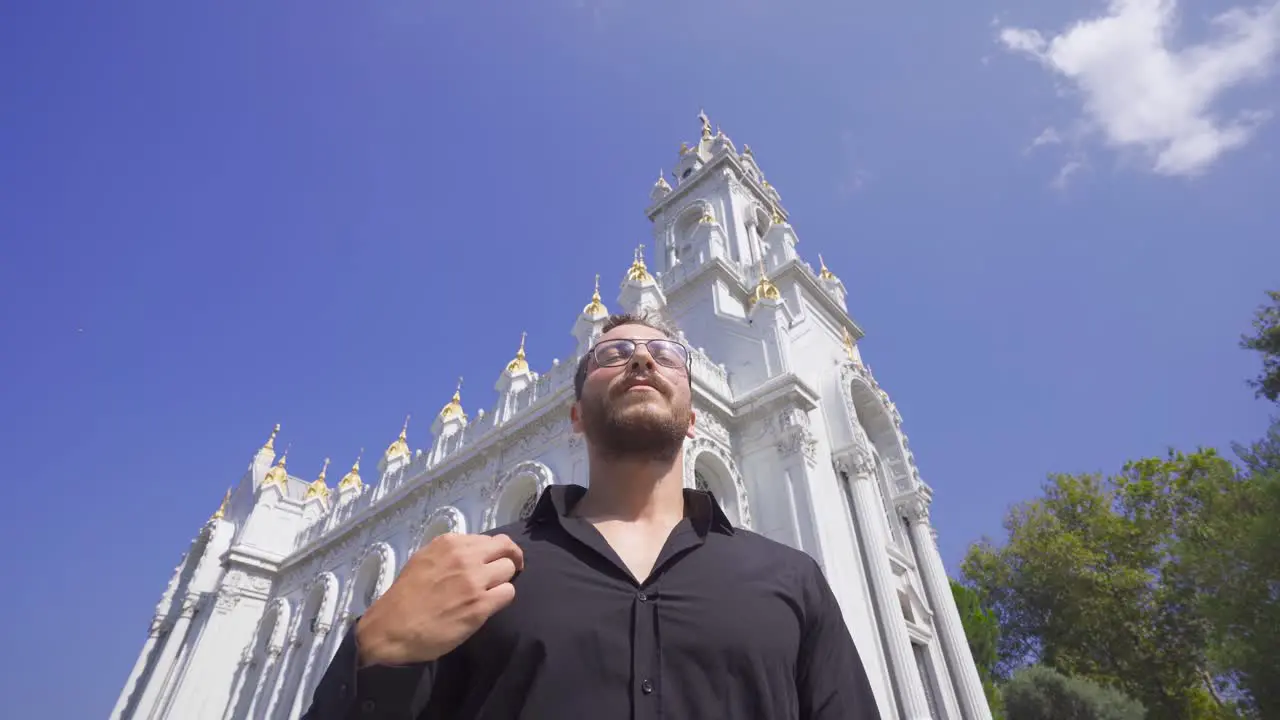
858, 467
963, 671
302, 697
162, 673
153, 635
282, 675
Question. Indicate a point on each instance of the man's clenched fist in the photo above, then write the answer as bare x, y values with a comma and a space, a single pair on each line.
446, 591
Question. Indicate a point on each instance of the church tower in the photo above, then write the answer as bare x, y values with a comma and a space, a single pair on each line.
722, 243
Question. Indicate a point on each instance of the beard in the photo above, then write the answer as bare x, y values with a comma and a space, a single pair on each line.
640, 428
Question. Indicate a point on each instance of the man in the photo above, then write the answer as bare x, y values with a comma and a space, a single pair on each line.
633, 598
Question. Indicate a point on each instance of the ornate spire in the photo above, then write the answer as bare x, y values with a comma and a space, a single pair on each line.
826, 274
684, 148
638, 272
454, 407
318, 487
662, 183
400, 446
277, 474
848, 344
746, 150
765, 290
519, 364
352, 478
595, 308
706, 125
222, 509
270, 444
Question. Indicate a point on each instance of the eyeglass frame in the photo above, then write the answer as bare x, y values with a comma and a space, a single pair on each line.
635, 345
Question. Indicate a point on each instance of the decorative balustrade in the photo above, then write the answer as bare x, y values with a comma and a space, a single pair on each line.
710, 375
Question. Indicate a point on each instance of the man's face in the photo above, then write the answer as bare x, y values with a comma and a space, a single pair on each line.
641, 407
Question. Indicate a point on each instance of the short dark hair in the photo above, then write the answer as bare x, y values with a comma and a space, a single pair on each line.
648, 320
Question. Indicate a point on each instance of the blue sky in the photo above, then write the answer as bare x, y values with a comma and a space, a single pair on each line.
1053, 227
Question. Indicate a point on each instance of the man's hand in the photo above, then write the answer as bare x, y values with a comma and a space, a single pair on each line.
446, 591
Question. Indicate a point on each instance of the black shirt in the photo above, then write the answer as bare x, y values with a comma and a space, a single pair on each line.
729, 624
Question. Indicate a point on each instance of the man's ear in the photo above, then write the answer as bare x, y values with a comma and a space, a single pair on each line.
693, 417
575, 417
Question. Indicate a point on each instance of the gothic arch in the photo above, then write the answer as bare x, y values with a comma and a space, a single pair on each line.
444, 519
526, 480
374, 570
721, 475
868, 410
280, 609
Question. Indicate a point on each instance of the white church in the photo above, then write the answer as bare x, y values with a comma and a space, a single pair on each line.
794, 436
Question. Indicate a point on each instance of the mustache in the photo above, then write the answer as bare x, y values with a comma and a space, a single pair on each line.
649, 378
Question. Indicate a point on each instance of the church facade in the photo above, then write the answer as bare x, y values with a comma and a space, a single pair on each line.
794, 436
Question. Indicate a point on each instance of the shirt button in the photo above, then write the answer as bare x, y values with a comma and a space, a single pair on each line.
642, 596
646, 687
367, 707
342, 691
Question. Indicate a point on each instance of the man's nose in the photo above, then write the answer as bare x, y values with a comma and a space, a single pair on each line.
642, 358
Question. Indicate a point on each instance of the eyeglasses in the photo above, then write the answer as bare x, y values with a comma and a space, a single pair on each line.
668, 353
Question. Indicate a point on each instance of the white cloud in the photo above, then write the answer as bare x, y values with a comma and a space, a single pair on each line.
1048, 137
1140, 93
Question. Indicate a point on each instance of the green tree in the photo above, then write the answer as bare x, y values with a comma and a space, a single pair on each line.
1233, 559
1090, 582
1266, 340
1040, 693
982, 630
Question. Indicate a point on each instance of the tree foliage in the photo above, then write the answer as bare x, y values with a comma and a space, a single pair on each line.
1234, 562
1266, 340
982, 630
1040, 693
1093, 582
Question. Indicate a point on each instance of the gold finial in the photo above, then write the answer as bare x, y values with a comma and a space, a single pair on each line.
318, 487
662, 181
277, 474
222, 509
352, 478
400, 446
638, 272
595, 308
777, 217
453, 409
684, 147
765, 290
848, 343
270, 444
706, 125
519, 364
746, 150
708, 217
826, 274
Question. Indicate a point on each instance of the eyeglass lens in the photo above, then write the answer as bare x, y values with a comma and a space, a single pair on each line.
666, 352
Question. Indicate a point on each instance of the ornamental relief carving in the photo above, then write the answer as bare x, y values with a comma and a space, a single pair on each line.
914, 507
802, 442
710, 426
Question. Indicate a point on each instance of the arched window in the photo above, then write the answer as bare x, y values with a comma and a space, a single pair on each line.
700, 481
711, 474
526, 509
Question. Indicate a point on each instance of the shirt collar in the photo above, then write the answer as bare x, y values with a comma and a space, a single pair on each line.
700, 507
